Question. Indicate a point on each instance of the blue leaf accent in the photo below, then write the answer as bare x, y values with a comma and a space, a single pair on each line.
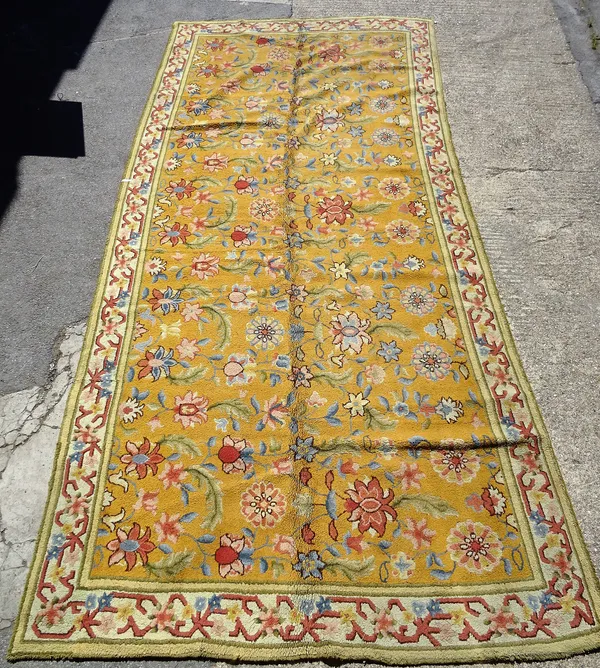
333, 409
205, 538
441, 575
384, 402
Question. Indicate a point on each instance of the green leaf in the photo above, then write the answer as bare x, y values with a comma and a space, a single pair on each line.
188, 376
182, 444
233, 408
333, 379
351, 568
172, 565
327, 290
426, 503
394, 328
229, 215
223, 326
242, 267
201, 241
197, 290
336, 446
214, 496
374, 419
373, 207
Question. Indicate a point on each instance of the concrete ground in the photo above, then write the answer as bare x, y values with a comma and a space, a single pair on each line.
528, 140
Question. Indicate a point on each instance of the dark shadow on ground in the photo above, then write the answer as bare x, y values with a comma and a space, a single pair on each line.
40, 39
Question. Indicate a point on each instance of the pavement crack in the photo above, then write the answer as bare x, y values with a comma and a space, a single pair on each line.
134, 36
23, 414
497, 171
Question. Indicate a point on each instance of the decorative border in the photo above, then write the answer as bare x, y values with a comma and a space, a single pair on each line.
541, 628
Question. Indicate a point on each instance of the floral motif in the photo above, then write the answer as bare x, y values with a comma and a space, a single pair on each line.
129, 546
474, 546
141, 458
431, 361
350, 332
190, 409
263, 504
369, 505
456, 465
234, 555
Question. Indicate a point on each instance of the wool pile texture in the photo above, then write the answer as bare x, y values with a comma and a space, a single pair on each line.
300, 427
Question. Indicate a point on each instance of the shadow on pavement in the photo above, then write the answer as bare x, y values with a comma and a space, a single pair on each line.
40, 40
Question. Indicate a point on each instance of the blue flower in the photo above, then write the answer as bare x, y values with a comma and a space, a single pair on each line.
294, 240
389, 351
200, 604
356, 131
323, 604
53, 552
303, 448
306, 606
355, 109
434, 607
310, 565
282, 361
214, 602
105, 601
419, 608
91, 602
401, 409
383, 310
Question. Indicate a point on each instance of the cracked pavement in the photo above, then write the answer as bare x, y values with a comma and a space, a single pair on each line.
527, 136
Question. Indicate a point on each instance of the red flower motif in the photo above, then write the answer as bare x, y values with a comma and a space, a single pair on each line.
141, 458
305, 475
334, 210
229, 555
308, 535
130, 546
369, 505
173, 234
180, 189
230, 454
332, 53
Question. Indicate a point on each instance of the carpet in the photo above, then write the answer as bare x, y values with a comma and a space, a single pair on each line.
300, 428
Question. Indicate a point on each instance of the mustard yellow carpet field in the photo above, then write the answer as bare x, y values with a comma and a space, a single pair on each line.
300, 428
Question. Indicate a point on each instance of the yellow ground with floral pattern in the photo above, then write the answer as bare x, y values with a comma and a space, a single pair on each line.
301, 428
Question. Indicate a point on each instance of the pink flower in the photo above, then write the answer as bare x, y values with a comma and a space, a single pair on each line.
282, 466
284, 545
409, 476
191, 312
187, 349
173, 475
168, 528
263, 505
190, 409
